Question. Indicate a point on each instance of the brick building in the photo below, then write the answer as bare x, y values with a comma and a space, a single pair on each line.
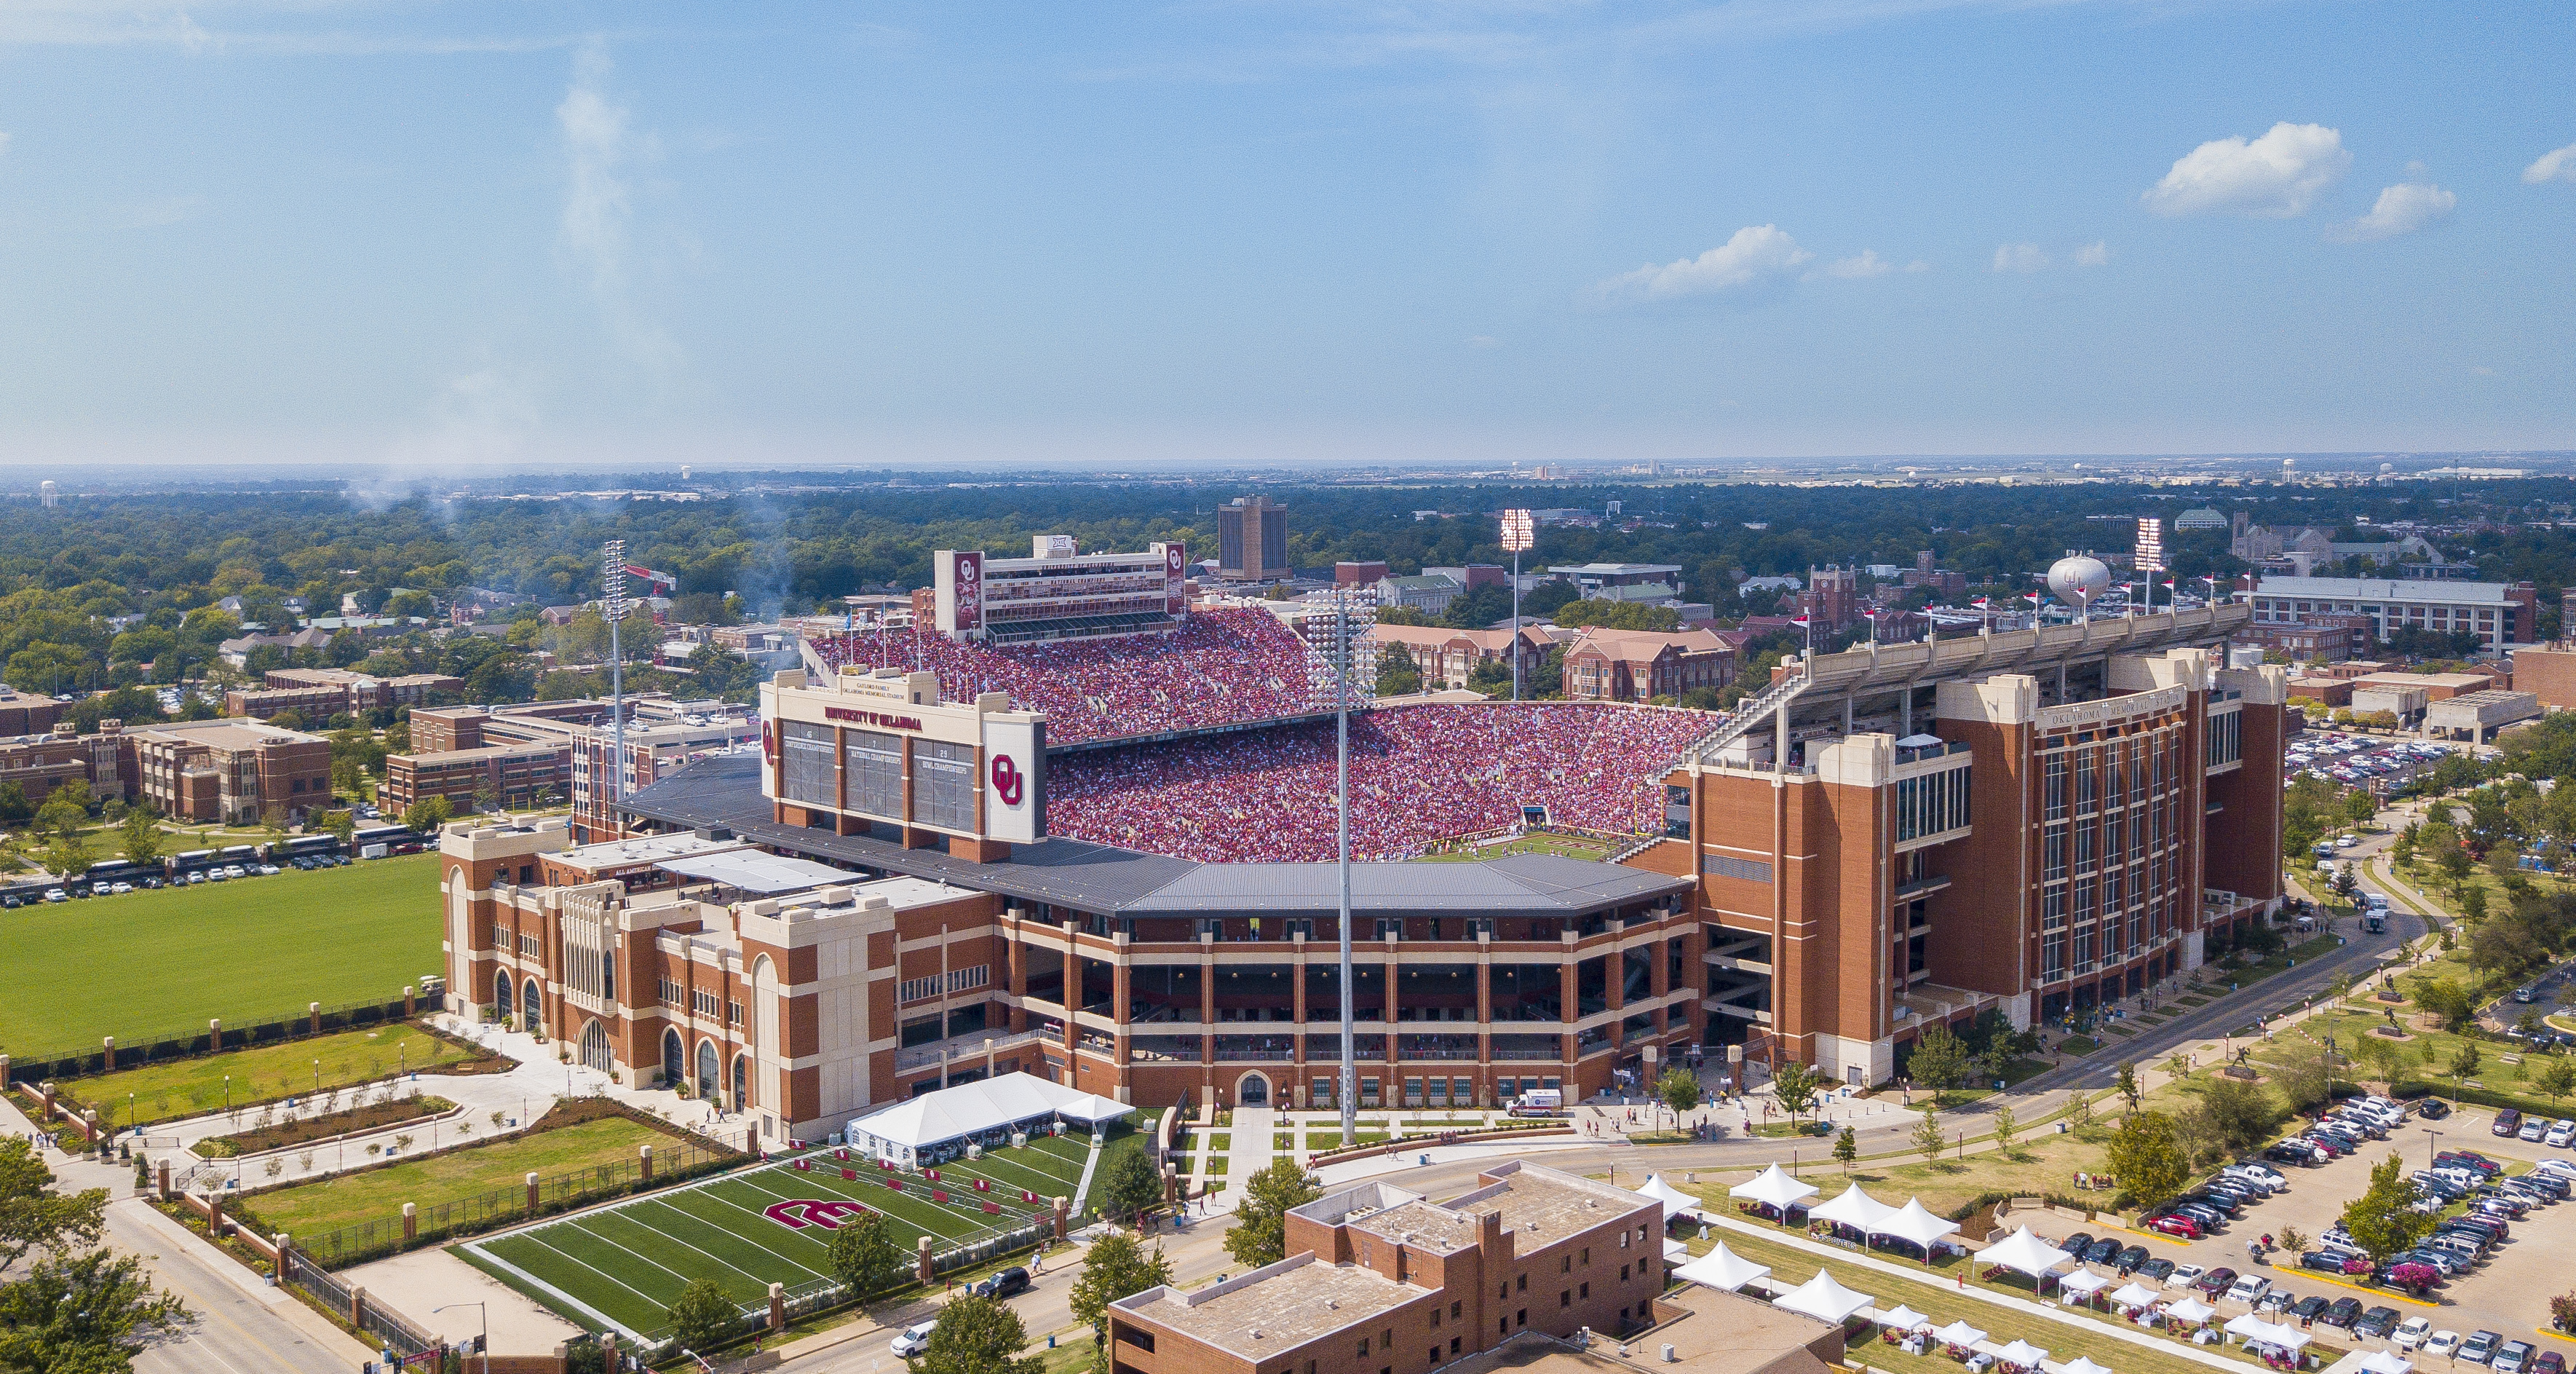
40, 763
1447, 658
26, 713
230, 771
317, 694
513, 775
2500, 614
1640, 665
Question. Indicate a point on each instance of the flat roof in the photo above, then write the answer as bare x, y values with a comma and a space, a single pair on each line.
1275, 1308
724, 791
642, 849
1541, 1205
228, 732
2383, 589
1889, 666
1717, 1333
756, 871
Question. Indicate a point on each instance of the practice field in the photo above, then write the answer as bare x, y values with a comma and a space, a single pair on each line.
154, 965
176, 1088
623, 1266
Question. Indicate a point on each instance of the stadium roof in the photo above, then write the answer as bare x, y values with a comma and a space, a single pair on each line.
724, 791
1888, 666
751, 870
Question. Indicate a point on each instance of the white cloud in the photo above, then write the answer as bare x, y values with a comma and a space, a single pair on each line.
2094, 254
2277, 176
2558, 164
1757, 255
2021, 257
598, 146
2401, 209
1868, 264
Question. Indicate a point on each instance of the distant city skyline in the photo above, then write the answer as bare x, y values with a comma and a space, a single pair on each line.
407, 242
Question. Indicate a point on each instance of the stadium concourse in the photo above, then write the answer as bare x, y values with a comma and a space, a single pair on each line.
1223, 667
1419, 775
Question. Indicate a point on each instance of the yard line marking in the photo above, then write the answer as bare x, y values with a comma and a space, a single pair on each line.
567, 1299
612, 1278
622, 1249
633, 1220
756, 1239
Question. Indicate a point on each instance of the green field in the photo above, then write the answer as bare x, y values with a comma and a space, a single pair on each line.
621, 1267
155, 965
175, 1088
327, 1204
1570, 846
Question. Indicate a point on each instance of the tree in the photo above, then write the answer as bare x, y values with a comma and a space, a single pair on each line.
864, 1256
1795, 1085
703, 1317
341, 825
2292, 1241
1679, 1089
2557, 1077
142, 836
2303, 1076
427, 814
2473, 904
1260, 1232
2359, 806
1396, 674
1129, 1185
2447, 1000
2147, 1157
1940, 1061
1927, 1135
2383, 1220
69, 855
2466, 1059
82, 1314
977, 1335
1847, 1148
2242, 1114
2005, 1126
2130, 1091
33, 1216
1117, 1267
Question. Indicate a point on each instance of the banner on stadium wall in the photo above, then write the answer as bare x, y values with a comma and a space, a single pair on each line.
1015, 779
1176, 573
958, 578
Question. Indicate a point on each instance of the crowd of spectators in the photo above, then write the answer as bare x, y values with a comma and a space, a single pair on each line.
1419, 775
1222, 667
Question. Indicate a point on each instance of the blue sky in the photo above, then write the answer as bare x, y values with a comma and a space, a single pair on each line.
421, 236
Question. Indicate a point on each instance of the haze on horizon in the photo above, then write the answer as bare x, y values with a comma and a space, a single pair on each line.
428, 238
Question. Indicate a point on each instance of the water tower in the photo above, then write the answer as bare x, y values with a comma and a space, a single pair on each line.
2079, 578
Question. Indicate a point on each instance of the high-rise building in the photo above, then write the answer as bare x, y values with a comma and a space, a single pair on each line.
1831, 601
1252, 540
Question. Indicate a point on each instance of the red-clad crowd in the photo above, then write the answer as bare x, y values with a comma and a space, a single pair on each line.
1222, 667
1419, 775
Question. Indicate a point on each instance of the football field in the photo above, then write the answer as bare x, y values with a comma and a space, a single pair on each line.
621, 1267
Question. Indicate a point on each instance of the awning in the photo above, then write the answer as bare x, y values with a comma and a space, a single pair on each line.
2190, 1311
974, 1108
2258, 1331
2081, 1365
2024, 1252
1722, 1268
1854, 1208
1823, 1299
1904, 1318
1773, 1187
2387, 1362
2135, 1295
1675, 1252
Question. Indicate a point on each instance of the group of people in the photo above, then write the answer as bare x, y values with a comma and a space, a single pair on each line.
1222, 667
1419, 774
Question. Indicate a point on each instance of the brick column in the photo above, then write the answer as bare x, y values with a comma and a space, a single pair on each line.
314, 1010
215, 1031
358, 1307
1569, 983
647, 1163
161, 1185
411, 1003
110, 1042
411, 1223
777, 1307
1063, 1210
532, 1193
921, 1263
215, 1215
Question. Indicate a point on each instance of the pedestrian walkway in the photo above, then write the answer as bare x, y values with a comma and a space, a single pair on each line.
1252, 1143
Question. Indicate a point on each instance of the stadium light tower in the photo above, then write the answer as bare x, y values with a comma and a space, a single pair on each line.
612, 608
1344, 659
1519, 532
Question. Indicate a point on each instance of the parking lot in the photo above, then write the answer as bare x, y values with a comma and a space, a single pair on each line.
2360, 760
2508, 1293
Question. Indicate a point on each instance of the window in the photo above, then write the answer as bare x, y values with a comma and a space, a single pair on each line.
705, 1003
873, 763
1454, 1310
2052, 909
2052, 956
2052, 849
1728, 866
1565, 1264
1587, 1254
733, 1013
1523, 1283
1623, 1273
1363, 1347
673, 995
806, 773
1677, 813
2056, 787
2084, 838
1565, 1297
1585, 1291
943, 784
2085, 783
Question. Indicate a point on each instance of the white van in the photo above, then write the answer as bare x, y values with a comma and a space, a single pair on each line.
1539, 1102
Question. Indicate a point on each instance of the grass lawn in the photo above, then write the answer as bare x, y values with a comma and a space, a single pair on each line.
1571, 846
327, 1204
156, 965
175, 1088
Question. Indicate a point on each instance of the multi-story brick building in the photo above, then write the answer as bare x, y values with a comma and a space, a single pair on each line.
26, 713
1640, 665
1379, 1279
512, 775
40, 763
2042, 822
2500, 614
1448, 658
662, 735
230, 771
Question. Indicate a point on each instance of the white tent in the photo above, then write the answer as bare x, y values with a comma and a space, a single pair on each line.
2135, 1295
1823, 1299
1722, 1268
2021, 1353
2081, 1365
2083, 1283
1912, 1222
1855, 1209
1904, 1318
2387, 1362
2024, 1252
986, 1111
2254, 1329
1674, 1199
1773, 1187
2191, 1311
1959, 1334
1675, 1252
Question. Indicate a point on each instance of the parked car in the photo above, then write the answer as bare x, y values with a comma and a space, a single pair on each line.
2155, 1270
2513, 1357
2185, 1276
2561, 1133
2480, 1347
2533, 1128
914, 1339
2507, 1123
2077, 1244
2216, 1281
2410, 1333
2442, 1345
2342, 1313
2248, 1288
2174, 1224
2306, 1309
2550, 1362
2323, 1261
1002, 1285
2128, 1260
2101, 1251
2376, 1323
2432, 1109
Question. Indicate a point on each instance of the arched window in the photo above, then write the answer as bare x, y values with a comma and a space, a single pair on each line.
501, 996
709, 1074
675, 1060
594, 1047
741, 1082
532, 1006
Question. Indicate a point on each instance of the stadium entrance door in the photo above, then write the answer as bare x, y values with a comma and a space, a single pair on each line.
1253, 1091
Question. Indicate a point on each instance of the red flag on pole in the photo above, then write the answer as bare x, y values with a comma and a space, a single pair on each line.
993, 1207
849, 1173
937, 1196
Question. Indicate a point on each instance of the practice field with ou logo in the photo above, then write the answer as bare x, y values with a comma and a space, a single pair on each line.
621, 1267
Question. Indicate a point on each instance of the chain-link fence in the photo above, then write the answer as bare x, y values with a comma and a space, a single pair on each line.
386, 1327
441, 1221
154, 1045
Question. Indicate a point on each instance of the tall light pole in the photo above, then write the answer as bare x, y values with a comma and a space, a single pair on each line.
612, 607
1519, 533
1346, 658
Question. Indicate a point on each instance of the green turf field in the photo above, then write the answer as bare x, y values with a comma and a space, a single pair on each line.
152, 965
622, 1266
326, 1204
1570, 846
175, 1088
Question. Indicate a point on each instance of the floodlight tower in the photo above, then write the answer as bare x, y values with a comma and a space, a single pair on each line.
1519, 532
612, 608
1344, 659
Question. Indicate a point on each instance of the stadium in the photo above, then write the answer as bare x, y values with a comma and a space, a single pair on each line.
1106, 860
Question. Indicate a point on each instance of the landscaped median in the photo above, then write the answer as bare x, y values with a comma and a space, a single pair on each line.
324, 1128
242, 1080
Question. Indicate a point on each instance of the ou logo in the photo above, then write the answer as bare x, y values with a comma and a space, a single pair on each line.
1008, 784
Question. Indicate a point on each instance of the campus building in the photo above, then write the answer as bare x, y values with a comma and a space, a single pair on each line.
236, 772
2500, 614
1641, 665
1252, 540
662, 735
1059, 592
2041, 822
510, 775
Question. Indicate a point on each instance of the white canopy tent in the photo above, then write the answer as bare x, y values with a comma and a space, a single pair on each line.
2021, 1353
1905, 1318
2025, 1253
986, 1112
1773, 1187
2190, 1311
2083, 1283
2387, 1362
2135, 1295
1674, 1199
1824, 1299
2082, 1365
1959, 1334
1722, 1268
1855, 1209
1675, 1252
1915, 1223
2256, 1331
